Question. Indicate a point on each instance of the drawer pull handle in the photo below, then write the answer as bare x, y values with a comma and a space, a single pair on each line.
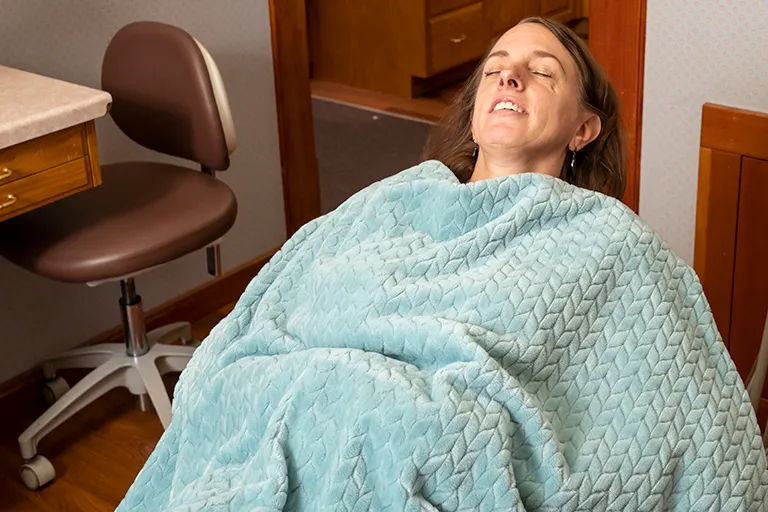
9, 200
457, 40
5, 173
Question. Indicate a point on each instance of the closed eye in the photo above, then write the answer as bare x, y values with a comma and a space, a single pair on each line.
542, 73
489, 73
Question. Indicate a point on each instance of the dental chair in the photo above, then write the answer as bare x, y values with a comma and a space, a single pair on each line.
168, 96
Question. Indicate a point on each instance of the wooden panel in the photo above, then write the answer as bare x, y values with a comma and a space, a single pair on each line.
715, 244
298, 160
750, 284
427, 108
43, 188
735, 130
560, 10
33, 156
375, 44
93, 153
457, 37
435, 7
617, 40
501, 15
584, 9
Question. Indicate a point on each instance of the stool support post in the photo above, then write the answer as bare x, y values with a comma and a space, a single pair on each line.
212, 252
134, 329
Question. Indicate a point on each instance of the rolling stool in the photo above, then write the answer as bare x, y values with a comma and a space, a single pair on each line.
167, 96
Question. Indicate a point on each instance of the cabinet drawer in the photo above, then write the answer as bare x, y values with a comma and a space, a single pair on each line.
435, 7
42, 188
456, 38
28, 158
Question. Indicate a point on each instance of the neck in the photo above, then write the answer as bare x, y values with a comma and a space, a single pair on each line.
492, 165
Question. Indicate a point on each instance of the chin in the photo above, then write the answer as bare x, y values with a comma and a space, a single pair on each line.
503, 137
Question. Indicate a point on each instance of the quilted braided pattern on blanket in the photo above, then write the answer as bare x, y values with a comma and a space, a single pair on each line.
511, 344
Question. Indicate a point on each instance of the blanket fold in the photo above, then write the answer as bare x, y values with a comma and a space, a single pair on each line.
512, 344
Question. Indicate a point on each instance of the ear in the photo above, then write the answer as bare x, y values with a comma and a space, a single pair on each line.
588, 131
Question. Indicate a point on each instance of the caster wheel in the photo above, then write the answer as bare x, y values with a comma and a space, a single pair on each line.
190, 343
54, 389
37, 472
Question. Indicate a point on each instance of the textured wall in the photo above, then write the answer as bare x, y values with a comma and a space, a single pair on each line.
67, 39
697, 51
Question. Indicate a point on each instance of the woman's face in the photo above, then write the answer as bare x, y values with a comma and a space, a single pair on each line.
528, 96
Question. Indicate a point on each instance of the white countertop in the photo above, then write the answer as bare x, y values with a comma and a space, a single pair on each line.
33, 105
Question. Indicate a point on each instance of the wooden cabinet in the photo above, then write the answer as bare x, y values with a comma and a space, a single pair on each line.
404, 46
503, 14
560, 10
436, 7
455, 38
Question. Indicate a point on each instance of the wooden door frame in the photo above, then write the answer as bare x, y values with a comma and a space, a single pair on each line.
617, 39
298, 159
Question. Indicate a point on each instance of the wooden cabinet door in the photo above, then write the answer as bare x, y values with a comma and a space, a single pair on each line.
501, 15
560, 10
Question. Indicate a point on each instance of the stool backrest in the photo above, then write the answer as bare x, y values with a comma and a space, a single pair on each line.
168, 95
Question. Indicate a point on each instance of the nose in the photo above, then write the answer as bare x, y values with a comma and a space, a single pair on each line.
510, 78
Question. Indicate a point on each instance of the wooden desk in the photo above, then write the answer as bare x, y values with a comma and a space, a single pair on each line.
48, 147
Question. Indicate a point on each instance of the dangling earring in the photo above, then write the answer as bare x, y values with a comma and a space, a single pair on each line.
474, 151
573, 159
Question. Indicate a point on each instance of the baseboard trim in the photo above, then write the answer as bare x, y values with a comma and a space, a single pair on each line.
197, 303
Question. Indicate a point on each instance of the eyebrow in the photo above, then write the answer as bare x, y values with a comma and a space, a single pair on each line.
498, 53
537, 53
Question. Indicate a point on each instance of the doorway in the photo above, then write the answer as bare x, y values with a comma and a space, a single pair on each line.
616, 32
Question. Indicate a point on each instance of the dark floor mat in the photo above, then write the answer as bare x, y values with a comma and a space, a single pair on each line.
357, 147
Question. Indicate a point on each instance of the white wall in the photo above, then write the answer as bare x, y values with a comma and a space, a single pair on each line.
697, 51
67, 40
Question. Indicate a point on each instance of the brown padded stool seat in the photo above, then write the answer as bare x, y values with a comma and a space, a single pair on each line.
144, 214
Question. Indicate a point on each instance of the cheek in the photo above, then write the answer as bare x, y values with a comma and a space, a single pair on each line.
562, 113
568, 106
483, 98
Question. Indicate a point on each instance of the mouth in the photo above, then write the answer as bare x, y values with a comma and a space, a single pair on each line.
507, 105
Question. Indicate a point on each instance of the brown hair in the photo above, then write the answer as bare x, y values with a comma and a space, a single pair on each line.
601, 165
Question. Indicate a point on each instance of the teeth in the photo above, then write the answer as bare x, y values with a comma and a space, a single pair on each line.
507, 105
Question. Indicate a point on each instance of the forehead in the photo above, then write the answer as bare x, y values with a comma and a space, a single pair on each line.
529, 37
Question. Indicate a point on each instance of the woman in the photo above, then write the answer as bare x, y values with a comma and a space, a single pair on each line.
500, 335
563, 119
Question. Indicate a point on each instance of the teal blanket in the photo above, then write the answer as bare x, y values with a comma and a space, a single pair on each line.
511, 344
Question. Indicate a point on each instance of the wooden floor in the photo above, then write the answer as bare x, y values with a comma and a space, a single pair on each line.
97, 454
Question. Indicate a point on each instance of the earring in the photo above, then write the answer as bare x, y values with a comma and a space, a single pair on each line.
573, 159
474, 151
